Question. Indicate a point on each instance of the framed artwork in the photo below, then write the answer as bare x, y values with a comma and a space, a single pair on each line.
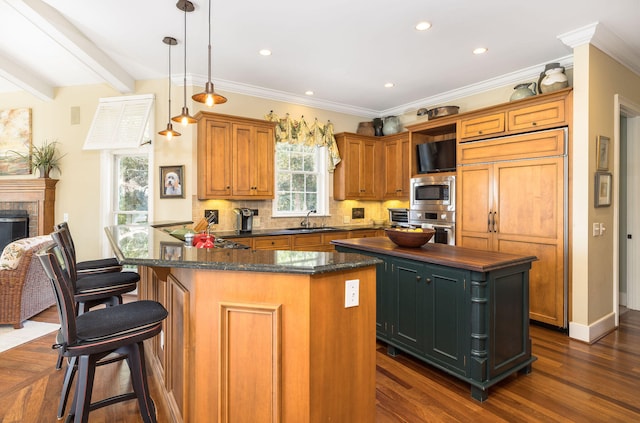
602, 194
171, 251
15, 139
171, 181
602, 153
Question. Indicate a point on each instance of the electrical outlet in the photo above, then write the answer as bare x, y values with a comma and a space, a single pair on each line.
346, 219
352, 293
215, 217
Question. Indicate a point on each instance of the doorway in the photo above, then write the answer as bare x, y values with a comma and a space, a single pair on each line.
627, 235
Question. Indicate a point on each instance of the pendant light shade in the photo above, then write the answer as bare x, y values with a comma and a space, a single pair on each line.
169, 132
209, 96
185, 118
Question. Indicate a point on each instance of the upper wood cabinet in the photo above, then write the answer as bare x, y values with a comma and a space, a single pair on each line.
395, 185
482, 126
356, 174
235, 157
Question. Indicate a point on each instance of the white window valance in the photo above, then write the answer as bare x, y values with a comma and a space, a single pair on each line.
119, 123
300, 132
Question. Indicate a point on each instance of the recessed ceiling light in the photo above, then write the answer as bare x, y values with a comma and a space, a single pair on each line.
265, 52
480, 50
423, 26
308, 92
388, 85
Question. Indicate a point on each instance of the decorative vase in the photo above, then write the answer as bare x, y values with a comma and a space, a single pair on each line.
377, 126
391, 125
43, 171
523, 91
366, 128
554, 80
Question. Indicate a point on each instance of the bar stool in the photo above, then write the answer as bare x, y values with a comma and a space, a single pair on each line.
90, 337
89, 266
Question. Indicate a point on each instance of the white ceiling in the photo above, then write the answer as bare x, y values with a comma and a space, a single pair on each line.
343, 50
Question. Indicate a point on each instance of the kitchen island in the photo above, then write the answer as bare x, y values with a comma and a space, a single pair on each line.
257, 335
464, 311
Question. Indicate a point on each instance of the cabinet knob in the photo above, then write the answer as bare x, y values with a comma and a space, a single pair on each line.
418, 278
533, 123
428, 280
479, 132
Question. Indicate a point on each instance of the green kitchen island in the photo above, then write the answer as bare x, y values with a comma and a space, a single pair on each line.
464, 311
257, 336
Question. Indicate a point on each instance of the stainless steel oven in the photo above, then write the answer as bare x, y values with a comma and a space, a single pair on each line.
443, 222
433, 192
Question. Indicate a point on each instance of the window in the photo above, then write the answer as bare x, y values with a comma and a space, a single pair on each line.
131, 183
301, 180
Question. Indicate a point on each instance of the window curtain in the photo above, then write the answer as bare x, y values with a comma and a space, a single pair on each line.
300, 132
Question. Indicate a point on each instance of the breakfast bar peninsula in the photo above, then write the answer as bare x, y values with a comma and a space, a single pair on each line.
257, 335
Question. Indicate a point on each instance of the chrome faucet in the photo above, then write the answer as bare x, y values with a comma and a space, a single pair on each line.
305, 223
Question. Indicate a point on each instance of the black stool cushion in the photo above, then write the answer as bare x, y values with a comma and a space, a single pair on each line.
100, 281
100, 265
122, 319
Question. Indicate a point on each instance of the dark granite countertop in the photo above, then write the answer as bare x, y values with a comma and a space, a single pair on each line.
148, 246
270, 231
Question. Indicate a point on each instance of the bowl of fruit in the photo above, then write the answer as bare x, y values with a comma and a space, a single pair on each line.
413, 238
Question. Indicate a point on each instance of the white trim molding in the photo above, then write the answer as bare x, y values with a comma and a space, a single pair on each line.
593, 332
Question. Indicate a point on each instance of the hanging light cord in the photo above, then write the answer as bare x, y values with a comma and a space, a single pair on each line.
185, 55
209, 48
169, 82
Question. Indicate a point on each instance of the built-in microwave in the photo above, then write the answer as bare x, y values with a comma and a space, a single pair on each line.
433, 192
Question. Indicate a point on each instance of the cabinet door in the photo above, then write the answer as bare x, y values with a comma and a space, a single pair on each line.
409, 299
177, 344
214, 166
475, 216
252, 161
530, 220
482, 126
384, 298
537, 116
368, 170
446, 323
396, 169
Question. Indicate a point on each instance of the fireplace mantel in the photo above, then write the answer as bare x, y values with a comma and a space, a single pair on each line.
40, 190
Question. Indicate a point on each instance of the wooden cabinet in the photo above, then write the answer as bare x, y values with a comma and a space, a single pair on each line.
277, 242
355, 176
537, 116
482, 126
396, 155
517, 205
235, 157
472, 324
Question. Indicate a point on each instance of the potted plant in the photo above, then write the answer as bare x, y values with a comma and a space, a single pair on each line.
45, 158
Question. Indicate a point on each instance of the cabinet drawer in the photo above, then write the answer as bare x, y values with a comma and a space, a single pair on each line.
272, 242
245, 241
538, 144
367, 233
299, 241
536, 116
482, 126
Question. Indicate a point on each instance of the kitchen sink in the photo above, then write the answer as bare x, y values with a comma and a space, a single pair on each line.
300, 229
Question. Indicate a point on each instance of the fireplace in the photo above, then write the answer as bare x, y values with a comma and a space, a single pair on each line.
36, 196
14, 224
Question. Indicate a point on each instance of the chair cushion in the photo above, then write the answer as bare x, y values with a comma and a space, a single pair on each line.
100, 265
118, 320
13, 252
100, 281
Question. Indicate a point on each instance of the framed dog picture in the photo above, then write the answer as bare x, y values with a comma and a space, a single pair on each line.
171, 181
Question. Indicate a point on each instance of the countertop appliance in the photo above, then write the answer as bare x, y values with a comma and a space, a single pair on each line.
244, 219
399, 217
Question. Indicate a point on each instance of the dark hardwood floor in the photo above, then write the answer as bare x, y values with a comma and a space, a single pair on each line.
570, 382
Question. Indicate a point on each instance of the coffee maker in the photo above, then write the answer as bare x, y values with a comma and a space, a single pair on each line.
244, 219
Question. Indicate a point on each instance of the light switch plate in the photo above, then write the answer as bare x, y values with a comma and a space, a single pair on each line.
352, 293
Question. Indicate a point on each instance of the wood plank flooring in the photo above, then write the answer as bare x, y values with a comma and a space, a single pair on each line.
571, 382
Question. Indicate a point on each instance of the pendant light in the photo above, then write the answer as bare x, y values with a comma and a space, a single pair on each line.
169, 132
209, 96
185, 118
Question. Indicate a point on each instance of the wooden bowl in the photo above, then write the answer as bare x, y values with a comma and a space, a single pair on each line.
406, 238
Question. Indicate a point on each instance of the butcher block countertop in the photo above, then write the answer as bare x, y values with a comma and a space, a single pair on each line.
441, 254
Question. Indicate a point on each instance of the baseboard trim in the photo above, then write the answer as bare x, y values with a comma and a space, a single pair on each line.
591, 333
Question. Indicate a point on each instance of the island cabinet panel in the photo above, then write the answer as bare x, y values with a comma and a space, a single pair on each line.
265, 347
461, 310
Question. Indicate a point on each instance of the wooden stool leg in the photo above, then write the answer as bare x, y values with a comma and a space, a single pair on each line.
66, 386
135, 360
84, 386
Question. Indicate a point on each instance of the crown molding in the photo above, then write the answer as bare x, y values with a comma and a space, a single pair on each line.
601, 37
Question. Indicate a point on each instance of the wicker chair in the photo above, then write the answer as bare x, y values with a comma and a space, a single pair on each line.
25, 289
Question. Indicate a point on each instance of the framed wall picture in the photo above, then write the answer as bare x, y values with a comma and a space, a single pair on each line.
171, 181
602, 194
602, 153
15, 140
171, 251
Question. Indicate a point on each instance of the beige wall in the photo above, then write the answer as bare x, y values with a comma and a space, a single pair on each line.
597, 78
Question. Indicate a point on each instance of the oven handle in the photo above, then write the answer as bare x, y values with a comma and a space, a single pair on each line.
445, 227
